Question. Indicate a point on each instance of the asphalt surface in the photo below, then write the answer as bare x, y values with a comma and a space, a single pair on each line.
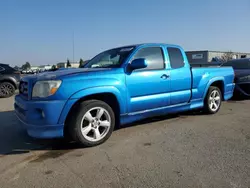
188, 150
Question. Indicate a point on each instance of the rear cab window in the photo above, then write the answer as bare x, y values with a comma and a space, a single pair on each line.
175, 57
153, 56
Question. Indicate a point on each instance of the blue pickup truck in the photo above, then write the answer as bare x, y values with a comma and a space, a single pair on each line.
116, 87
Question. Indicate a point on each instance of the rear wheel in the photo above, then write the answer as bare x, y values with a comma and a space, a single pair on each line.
7, 89
213, 100
92, 123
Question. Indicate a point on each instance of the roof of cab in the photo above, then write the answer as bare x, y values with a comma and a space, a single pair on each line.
150, 44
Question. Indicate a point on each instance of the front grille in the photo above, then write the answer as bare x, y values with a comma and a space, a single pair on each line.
23, 88
245, 88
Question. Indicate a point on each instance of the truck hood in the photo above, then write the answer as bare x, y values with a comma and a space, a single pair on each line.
65, 72
53, 75
242, 75
241, 72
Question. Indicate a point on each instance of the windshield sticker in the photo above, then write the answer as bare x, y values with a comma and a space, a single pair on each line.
126, 49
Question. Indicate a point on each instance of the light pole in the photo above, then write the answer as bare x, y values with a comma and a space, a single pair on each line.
73, 43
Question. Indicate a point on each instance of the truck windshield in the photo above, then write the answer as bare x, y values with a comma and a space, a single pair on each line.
110, 59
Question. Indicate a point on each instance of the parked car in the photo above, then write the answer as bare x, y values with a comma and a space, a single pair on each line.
9, 80
116, 87
242, 76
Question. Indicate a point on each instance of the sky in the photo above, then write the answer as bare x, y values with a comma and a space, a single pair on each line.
43, 31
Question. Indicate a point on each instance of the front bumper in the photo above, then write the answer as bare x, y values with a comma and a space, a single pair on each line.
40, 118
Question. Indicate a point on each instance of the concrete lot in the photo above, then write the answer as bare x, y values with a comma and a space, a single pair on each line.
181, 151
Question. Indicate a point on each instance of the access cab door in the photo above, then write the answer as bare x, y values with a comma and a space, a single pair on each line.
148, 88
180, 76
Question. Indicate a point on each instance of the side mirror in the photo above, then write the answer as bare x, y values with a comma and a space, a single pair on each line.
138, 64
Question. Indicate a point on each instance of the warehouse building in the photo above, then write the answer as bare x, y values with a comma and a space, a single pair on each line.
203, 57
64, 65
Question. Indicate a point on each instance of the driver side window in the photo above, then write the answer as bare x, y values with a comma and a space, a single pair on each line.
153, 56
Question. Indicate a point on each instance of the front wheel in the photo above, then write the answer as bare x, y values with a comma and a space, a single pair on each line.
92, 123
213, 100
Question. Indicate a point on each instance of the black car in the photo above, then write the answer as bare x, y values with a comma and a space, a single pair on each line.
9, 80
242, 76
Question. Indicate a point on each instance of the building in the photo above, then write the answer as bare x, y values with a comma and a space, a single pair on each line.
203, 57
45, 67
33, 68
64, 65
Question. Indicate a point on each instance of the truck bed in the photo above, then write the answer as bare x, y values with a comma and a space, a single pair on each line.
202, 75
211, 64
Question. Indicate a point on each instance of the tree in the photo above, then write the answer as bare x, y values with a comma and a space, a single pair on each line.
68, 63
227, 56
16, 67
53, 67
26, 66
81, 63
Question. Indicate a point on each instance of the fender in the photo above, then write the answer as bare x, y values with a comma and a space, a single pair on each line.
9, 79
215, 79
90, 91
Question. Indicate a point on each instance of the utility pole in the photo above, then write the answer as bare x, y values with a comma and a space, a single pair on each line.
73, 42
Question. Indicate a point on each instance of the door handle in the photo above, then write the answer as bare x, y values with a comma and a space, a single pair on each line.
164, 76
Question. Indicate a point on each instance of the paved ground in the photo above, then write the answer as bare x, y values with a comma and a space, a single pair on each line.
183, 151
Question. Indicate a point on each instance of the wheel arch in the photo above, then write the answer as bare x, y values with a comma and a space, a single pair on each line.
217, 82
110, 96
10, 81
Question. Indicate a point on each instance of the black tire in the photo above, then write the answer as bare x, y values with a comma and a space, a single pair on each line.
7, 89
207, 107
75, 122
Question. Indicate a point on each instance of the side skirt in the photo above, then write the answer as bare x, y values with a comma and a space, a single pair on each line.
136, 116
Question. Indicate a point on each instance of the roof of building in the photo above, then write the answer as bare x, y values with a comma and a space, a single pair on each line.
69, 62
217, 51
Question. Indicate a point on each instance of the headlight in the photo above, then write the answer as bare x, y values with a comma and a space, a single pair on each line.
45, 88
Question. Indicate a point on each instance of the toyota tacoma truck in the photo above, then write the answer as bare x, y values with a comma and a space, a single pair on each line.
116, 87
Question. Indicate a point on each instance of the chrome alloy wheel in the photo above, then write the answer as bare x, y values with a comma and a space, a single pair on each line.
95, 124
214, 100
